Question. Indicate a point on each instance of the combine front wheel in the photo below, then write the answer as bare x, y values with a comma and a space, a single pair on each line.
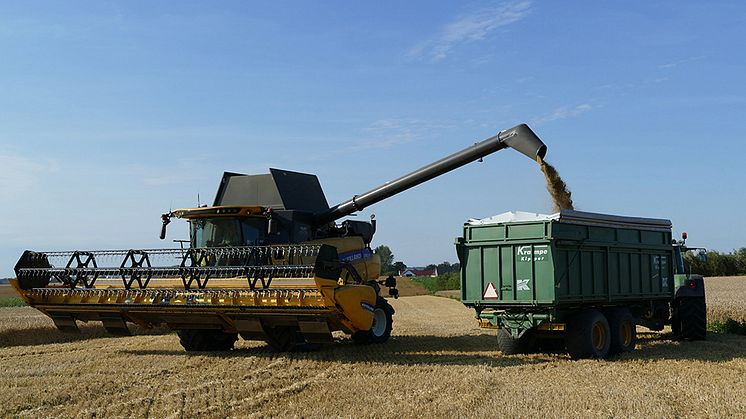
202, 340
282, 338
382, 324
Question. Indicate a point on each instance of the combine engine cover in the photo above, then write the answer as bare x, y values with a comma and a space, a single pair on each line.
255, 291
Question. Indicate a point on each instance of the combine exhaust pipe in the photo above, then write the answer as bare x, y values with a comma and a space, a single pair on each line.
520, 138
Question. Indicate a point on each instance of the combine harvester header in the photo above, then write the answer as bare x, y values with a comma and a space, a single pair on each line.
268, 261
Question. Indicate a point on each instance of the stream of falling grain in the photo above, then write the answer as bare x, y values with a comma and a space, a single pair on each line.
561, 196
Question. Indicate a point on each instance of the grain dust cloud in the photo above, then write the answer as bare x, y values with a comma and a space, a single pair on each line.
561, 196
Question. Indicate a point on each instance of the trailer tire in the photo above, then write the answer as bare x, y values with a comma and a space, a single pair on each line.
509, 345
551, 344
383, 322
693, 317
204, 340
588, 335
623, 337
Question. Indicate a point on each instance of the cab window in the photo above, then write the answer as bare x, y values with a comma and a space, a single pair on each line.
226, 232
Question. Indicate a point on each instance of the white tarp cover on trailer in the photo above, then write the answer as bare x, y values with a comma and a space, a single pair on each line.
577, 217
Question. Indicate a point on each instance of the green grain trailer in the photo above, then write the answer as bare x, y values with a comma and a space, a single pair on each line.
579, 280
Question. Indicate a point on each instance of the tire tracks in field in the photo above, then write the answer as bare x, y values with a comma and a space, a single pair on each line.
261, 398
151, 400
53, 350
45, 405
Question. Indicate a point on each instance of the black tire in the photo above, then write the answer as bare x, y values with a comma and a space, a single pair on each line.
693, 317
203, 340
623, 331
383, 323
283, 338
550, 345
676, 325
588, 335
509, 345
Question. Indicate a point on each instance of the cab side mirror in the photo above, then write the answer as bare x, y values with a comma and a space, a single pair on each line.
702, 256
165, 218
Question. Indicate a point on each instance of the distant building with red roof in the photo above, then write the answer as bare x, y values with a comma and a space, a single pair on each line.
410, 272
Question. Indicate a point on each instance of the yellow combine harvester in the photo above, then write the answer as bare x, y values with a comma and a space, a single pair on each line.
268, 261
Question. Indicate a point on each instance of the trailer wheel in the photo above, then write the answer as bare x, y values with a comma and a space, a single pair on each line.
509, 345
623, 330
383, 323
588, 335
203, 340
550, 344
693, 317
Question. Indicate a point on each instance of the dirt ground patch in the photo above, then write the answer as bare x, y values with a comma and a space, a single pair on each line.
408, 288
454, 294
7, 291
437, 363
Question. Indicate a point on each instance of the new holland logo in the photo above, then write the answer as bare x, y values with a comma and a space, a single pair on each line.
367, 306
522, 285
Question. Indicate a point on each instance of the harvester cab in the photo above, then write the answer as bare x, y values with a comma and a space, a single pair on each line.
268, 260
279, 208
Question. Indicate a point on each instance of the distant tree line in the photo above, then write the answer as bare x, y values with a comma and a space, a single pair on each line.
387, 259
717, 264
445, 267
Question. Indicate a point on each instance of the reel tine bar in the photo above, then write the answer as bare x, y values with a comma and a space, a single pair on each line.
194, 266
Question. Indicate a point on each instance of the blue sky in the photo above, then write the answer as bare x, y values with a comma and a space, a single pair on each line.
113, 112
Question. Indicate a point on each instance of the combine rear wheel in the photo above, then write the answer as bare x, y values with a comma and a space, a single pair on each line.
588, 335
692, 318
382, 324
202, 340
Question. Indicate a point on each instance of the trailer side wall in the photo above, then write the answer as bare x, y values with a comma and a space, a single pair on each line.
553, 263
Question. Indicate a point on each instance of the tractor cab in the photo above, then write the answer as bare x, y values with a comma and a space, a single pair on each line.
680, 249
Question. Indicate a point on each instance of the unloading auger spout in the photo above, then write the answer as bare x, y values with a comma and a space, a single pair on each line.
520, 138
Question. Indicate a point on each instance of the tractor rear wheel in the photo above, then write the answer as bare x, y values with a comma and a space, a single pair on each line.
203, 340
588, 335
693, 318
676, 324
383, 323
623, 331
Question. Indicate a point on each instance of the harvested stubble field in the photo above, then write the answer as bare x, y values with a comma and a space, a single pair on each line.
436, 364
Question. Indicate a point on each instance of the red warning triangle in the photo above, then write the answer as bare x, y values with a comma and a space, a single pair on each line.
490, 293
